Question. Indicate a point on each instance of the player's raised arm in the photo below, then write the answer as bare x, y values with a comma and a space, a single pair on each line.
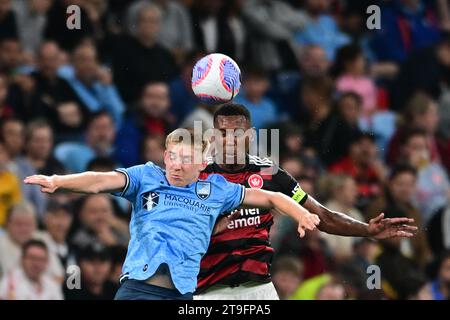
86, 182
283, 204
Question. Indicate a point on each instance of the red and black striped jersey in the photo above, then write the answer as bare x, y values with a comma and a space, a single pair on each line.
243, 251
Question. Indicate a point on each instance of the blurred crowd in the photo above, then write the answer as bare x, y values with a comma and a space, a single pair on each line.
364, 119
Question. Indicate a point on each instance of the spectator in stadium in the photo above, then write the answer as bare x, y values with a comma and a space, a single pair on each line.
337, 130
440, 287
39, 146
315, 106
93, 83
397, 201
397, 270
331, 291
5, 109
10, 192
181, 95
31, 20
176, 28
48, 89
8, 21
313, 61
420, 113
321, 28
364, 253
350, 72
293, 164
98, 224
420, 290
56, 26
21, 225
29, 281
405, 27
433, 185
10, 57
255, 85
342, 193
273, 24
12, 133
144, 60
57, 222
287, 275
99, 141
151, 117
153, 149
363, 164
95, 267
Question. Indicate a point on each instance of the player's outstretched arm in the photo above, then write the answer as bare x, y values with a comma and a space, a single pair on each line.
338, 223
86, 182
284, 204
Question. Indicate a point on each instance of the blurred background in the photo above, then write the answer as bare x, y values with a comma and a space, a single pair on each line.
364, 117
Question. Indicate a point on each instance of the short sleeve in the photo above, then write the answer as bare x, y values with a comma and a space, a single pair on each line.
133, 176
234, 195
289, 186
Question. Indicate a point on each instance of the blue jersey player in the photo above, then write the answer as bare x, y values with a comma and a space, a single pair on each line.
173, 214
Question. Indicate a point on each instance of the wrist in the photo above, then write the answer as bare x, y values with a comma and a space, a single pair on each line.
56, 181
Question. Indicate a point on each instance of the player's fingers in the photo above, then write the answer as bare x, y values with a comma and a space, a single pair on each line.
378, 218
316, 219
404, 234
401, 220
310, 225
406, 227
301, 232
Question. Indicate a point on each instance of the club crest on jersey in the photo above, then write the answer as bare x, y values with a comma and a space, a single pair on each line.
203, 189
255, 181
150, 200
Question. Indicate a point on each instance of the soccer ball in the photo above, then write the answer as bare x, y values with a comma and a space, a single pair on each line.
216, 78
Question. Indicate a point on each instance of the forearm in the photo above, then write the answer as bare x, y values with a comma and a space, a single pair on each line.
337, 223
287, 206
86, 182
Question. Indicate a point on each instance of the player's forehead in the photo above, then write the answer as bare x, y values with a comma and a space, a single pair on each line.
232, 122
181, 149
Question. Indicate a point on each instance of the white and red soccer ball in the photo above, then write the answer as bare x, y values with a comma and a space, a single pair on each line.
216, 78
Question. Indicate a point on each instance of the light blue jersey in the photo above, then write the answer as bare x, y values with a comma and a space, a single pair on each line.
171, 224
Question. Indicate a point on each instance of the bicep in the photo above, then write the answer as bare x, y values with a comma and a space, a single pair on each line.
257, 198
113, 181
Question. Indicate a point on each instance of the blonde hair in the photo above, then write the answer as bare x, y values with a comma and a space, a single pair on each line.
188, 136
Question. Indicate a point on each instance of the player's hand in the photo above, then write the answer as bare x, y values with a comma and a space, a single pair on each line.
384, 228
307, 222
47, 183
224, 221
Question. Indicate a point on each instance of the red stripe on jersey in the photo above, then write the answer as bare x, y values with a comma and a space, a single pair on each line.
256, 267
214, 259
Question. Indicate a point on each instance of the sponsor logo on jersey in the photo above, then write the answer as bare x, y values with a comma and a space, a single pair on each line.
150, 200
186, 203
255, 181
248, 217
